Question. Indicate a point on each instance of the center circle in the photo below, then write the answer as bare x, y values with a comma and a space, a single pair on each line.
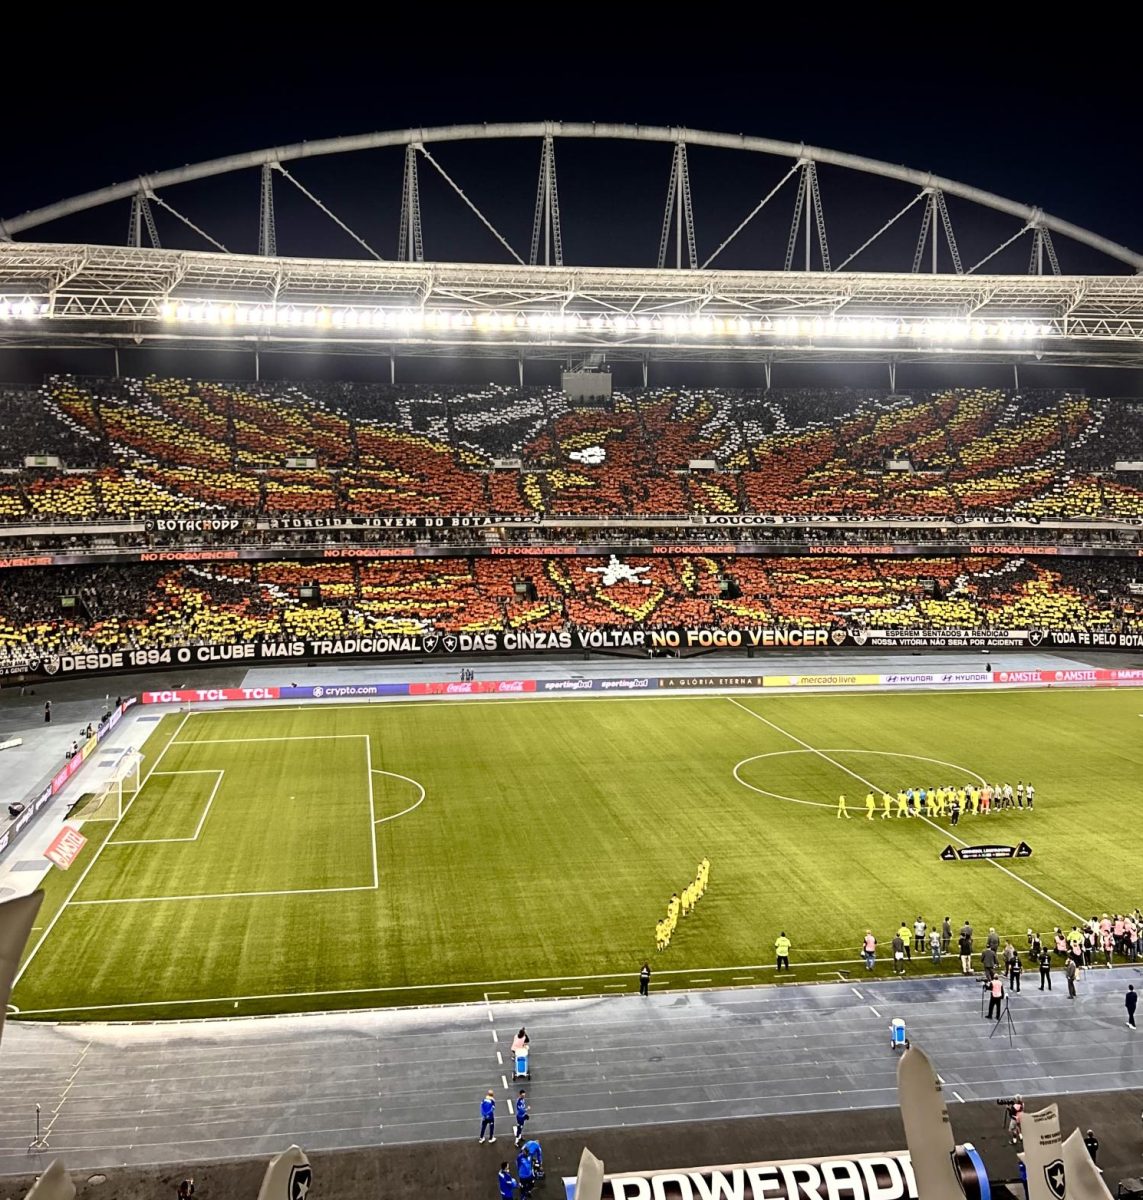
936, 762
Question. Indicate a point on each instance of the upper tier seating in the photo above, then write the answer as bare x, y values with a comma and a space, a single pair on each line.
168, 446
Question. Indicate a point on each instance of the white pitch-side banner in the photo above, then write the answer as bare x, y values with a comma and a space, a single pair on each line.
16, 920
1058, 1169
54, 1184
1043, 1153
1084, 1182
288, 1176
928, 1131
589, 1179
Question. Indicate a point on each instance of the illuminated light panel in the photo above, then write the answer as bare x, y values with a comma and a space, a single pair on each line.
942, 330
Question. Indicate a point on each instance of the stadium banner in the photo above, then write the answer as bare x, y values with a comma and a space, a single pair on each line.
991, 639
853, 1177
1090, 675
970, 853
635, 640
65, 847
957, 677
393, 522
821, 680
342, 691
196, 524
205, 695
711, 681
653, 549
471, 687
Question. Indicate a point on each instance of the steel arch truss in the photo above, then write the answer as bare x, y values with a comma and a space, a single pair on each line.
679, 224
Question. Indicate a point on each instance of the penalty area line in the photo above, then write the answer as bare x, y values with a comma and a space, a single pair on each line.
361, 887
95, 857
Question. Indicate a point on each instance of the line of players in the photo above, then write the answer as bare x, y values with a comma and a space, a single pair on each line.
685, 904
937, 802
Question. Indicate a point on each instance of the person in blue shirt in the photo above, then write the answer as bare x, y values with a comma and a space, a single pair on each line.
526, 1173
506, 1182
488, 1116
535, 1156
521, 1116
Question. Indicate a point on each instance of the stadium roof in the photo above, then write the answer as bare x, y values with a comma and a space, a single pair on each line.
54, 295
57, 296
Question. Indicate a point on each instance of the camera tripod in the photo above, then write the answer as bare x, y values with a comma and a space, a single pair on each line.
40, 1141
1006, 1017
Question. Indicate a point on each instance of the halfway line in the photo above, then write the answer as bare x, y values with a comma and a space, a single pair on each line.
873, 787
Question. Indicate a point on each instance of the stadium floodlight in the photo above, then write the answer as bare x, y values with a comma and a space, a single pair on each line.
818, 327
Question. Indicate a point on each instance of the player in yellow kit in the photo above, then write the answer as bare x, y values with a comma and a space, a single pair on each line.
902, 808
870, 806
887, 806
841, 809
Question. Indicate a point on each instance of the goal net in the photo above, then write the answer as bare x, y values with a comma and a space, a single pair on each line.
116, 784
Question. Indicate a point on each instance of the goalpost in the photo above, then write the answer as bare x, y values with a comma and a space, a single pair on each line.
122, 778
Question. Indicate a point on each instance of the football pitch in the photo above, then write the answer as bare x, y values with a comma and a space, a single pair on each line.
298, 859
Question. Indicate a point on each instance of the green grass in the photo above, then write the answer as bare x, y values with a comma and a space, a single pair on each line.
551, 835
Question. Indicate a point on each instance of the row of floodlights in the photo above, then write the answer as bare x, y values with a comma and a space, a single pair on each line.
23, 309
415, 320
409, 320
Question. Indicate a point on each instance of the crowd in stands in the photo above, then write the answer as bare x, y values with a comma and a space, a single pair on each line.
138, 448
130, 607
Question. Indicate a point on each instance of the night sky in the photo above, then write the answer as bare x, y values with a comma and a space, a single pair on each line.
1049, 117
